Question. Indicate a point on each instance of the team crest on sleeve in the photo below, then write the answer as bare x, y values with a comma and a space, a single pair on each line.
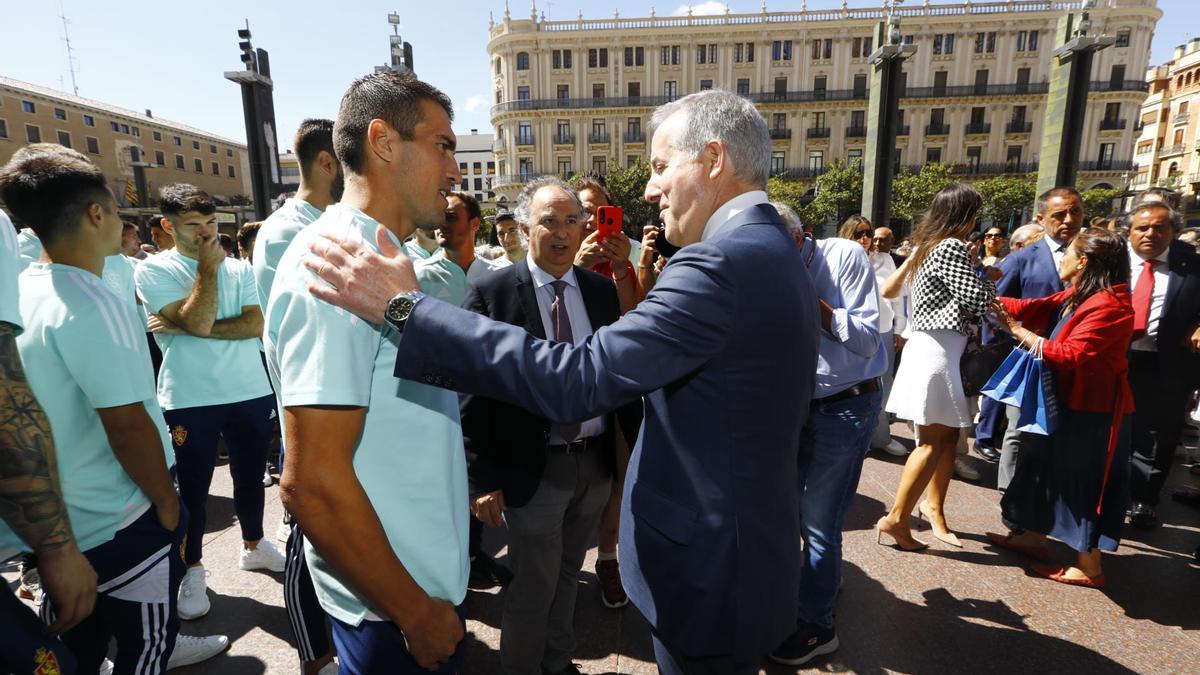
45, 662
178, 434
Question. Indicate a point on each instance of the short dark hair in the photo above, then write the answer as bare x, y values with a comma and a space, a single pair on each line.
49, 187
179, 198
1043, 199
156, 222
313, 136
387, 95
472, 204
227, 243
126, 225
247, 232
593, 182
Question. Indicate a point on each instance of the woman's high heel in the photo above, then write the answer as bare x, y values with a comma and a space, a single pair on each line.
881, 529
948, 538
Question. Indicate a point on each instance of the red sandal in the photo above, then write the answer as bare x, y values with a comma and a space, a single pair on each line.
1057, 572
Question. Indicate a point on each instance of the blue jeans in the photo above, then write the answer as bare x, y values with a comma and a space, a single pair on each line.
832, 447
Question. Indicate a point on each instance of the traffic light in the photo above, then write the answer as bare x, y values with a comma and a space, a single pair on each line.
247, 49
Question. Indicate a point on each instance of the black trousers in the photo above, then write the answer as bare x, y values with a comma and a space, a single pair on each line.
1157, 425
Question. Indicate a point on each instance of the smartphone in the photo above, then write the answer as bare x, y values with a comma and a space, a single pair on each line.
608, 221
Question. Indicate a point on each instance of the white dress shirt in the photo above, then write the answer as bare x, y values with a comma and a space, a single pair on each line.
1158, 299
892, 317
581, 329
718, 222
1057, 251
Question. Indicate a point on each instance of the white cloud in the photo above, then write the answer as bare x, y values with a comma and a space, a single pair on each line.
475, 103
712, 7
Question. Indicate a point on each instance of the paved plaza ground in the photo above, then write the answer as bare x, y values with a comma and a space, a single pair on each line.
947, 610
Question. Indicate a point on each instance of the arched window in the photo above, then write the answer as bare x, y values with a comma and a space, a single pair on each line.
522, 60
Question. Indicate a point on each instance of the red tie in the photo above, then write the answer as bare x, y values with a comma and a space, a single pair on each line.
1141, 299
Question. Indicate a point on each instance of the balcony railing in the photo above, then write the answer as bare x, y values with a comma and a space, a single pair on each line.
817, 132
1019, 127
635, 137
979, 128
1181, 118
781, 133
595, 137
995, 168
1107, 165
855, 132
937, 129
1112, 125
564, 139
1169, 150
799, 173
969, 90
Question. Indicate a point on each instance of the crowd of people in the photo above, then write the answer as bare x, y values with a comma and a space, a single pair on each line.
569, 384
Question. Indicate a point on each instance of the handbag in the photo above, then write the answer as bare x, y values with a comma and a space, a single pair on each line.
1007, 383
1039, 404
979, 362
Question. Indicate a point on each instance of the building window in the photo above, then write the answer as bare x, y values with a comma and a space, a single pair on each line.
1027, 41
816, 160
29, 107
523, 93
669, 55
564, 167
216, 169
818, 119
176, 140
630, 160
635, 57
125, 128
157, 135
737, 52
860, 86
89, 121
198, 165
705, 85
1013, 157
195, 145
3, 129
115, 127
599, 166
212, 149
524, 133
160, 159
229, 152
634, 89
743, 86
779, 121
974, 156
561, 58
1106, 155
33, 133
985, 43
633, 127
781, 50
64, 139
1123, 37
477, 167
491, 168
60, 114
522, 60
597, 92
598, 58
599, 129
525, 168
778, 162
861, 47
854, 157
743, 52
978, 114
179, 162
135, 131
669, 89
564, 92
706, 54
943, 43
933, 155
478, 182
93, 144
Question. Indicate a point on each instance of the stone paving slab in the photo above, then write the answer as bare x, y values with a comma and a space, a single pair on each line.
975, 609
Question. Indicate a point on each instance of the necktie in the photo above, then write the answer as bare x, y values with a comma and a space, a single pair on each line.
1141, 299
561, 320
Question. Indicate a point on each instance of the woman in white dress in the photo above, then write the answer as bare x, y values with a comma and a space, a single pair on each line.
946, 294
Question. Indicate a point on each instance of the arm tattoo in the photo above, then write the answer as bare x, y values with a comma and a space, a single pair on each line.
30, 499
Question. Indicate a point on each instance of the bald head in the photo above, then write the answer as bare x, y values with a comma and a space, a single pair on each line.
883, 239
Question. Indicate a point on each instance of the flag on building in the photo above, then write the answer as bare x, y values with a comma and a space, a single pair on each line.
131, 194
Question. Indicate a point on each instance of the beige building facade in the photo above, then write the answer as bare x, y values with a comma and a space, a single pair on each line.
572, 96
117, 140
1166, 154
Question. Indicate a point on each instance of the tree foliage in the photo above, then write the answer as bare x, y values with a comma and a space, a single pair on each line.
627, 185
838, 194
1098, 201
1004, 196
796, 194
912, 193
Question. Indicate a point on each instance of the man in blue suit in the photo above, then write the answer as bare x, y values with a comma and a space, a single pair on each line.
723, 350
1032, 272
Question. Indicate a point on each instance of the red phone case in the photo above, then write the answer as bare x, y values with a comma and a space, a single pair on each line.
608, 221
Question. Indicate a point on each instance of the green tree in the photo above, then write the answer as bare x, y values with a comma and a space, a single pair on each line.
1004, 196
912, 193
794, 193
627, 185
840, 189
1098, 201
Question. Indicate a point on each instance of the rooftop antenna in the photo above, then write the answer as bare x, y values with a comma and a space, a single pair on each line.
62, 14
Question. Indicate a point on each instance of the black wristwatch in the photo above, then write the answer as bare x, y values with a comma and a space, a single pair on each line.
400, 308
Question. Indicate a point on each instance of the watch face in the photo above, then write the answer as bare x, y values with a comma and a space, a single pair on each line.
399, 308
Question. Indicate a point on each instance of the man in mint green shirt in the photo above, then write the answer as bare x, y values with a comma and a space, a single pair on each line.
421, 245
446, 274
212, 382
376, 474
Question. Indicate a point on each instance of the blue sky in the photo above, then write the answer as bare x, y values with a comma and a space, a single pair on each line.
169, 56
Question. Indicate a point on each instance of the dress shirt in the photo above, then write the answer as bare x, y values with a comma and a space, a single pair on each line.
1057, 251
892, 317
581, 329
1158, 300
718, 222
851, 351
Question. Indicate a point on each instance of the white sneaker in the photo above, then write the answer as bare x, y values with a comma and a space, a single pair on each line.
894, 448
106, 667
283, 531
264, 557
965, 471
268, 479
191, 649
193, 594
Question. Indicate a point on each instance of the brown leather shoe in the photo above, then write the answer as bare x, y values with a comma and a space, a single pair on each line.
612, 593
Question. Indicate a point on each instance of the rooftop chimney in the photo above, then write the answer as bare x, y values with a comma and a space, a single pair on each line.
148, 114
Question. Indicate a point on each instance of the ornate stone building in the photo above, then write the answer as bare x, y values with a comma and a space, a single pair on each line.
1166, 150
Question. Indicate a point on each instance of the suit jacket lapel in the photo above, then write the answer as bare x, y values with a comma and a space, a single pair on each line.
1177, 266
526, 291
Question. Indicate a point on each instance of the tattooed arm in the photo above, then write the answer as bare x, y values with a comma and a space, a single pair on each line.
31, 502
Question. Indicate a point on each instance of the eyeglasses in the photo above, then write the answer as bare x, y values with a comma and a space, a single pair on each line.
862, 233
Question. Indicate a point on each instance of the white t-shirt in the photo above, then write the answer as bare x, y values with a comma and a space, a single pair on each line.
200, 371
83, 350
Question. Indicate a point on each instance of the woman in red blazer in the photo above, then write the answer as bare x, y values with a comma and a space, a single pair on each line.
1072, 485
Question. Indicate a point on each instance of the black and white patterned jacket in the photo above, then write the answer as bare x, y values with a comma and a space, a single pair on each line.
947, 293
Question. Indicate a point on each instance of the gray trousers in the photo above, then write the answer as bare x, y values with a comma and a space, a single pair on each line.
548, 539
883, 429
1010, 449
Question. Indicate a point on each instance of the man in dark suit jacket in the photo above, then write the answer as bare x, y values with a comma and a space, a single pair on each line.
550, 490
723, 349
1032, 272
1164, 367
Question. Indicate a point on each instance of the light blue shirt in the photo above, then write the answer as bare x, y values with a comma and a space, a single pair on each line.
409, 458
118, 269
84, 350
200, 371
446, 281
10, 267
276, 232
852, 350
416, 252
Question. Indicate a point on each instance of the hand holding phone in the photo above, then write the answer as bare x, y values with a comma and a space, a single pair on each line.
608, 221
